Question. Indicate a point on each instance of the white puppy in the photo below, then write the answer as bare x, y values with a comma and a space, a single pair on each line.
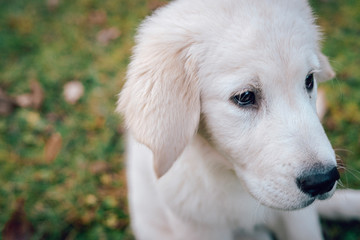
223, 131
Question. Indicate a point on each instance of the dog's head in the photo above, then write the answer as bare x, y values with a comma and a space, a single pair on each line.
250, 69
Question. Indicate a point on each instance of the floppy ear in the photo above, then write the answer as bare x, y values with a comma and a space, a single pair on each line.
326, 72
160, 100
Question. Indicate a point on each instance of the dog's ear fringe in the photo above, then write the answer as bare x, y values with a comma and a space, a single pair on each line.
326, 72
160, 100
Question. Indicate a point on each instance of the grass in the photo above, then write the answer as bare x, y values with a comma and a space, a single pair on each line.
81, 194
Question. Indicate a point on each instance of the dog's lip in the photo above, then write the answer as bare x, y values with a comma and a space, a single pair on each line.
308, 202
318, 197
325, 195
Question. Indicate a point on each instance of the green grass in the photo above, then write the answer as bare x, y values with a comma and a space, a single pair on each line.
81, 194
64, 197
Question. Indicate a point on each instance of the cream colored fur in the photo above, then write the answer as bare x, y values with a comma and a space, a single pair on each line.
201, 167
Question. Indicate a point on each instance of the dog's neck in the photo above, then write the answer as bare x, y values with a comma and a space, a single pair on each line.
204, 172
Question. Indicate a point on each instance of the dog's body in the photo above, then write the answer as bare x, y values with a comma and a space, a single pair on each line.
247, 68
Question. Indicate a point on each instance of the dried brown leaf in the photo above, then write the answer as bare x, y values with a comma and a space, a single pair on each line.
37, 94
88, 217
52, 4
18, 226
7, 104
90, 200
33, 99
98, 167
24, 100
98, 17
52, 147
155, 4
23, 24
105, 36
120, 129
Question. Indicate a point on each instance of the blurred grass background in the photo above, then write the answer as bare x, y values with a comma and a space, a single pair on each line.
79, 192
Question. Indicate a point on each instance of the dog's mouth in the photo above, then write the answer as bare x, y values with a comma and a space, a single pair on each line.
319, 182
328, 194
297, 204
323, 196
302, 201
281, 193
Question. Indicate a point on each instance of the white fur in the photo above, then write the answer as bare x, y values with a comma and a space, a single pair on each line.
201, 167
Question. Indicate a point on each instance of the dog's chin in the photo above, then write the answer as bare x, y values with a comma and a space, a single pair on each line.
301, 205
298, 203
288, 206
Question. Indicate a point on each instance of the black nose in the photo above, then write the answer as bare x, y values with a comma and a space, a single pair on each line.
318, 182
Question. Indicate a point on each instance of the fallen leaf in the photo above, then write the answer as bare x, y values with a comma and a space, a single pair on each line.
52, 147
37, 94
106, 35
18, 226
73, 91
24, 100
33, 99
106, 179
98, 167
44, 176
155, 4
23, 24
87, 217
97, 17
7, 104
111, 220
52, 4
90, 200
100, 122
120, 129
33, 118
110, 202
52, 117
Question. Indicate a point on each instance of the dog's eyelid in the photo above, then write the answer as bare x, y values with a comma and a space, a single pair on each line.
314, 71
251, 87
247, 97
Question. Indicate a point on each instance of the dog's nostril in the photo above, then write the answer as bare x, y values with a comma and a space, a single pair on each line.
318, 183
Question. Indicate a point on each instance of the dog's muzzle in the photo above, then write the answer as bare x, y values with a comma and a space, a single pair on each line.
318, 180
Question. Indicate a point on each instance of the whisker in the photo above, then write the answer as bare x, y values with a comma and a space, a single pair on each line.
342, 150
341, 184
353, 172
344, 168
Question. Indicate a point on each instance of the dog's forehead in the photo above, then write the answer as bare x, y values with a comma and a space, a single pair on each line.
263, 39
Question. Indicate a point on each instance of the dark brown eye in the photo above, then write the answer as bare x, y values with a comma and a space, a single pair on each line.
244, 99
309, 82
